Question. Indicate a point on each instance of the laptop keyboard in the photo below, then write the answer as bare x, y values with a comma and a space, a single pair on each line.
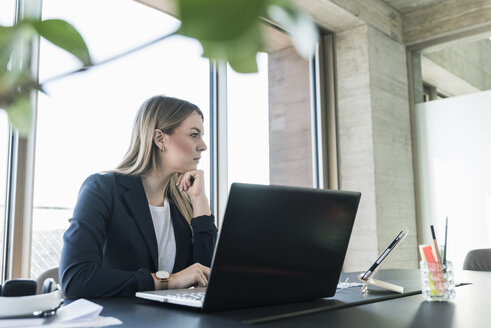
195, 296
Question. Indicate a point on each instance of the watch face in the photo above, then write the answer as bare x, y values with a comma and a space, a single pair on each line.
162, 274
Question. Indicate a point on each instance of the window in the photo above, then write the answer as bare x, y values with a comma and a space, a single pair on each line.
248, 125
431, 93
7, 12
4, 140
269, 118
85, 120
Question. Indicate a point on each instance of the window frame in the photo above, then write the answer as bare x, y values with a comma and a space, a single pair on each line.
18, 207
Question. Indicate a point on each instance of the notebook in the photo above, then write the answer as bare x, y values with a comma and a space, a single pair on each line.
276, 244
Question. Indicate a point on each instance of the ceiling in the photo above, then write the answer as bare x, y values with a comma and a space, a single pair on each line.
416, 23
404, 6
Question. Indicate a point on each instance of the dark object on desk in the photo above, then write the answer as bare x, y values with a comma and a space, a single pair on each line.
19, 287
478, 260
276, 245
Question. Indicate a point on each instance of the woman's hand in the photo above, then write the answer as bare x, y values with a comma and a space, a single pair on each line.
195, 275
193, 184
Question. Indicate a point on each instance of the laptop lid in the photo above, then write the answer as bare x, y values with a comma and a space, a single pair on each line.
279, 244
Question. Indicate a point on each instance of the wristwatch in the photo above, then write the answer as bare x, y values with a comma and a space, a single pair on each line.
163, 277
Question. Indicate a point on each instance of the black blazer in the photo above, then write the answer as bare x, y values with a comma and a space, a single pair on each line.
110, 248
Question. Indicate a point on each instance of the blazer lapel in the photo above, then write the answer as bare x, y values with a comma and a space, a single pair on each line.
137, 204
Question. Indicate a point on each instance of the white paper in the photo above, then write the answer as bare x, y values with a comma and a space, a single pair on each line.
78, 310
14, 323
80, 313
95, 322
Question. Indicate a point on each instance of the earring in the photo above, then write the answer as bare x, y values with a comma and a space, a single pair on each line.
163, 149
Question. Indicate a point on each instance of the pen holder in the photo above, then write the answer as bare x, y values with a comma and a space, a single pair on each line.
437, 281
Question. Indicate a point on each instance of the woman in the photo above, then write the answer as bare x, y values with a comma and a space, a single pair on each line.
149, 217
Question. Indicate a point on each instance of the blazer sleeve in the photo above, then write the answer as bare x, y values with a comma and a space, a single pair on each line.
82, 273
204, 238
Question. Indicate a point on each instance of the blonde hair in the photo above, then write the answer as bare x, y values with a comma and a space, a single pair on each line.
166, 114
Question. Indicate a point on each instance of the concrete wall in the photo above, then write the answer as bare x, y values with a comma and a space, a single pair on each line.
355, 142
394, 181
375, 144
443, 21
374, 137
469, 61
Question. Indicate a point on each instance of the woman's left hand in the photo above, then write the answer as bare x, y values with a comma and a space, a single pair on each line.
193, 184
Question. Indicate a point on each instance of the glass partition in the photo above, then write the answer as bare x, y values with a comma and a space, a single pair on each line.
452, 114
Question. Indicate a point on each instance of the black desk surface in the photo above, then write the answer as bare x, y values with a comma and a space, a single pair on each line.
348, 308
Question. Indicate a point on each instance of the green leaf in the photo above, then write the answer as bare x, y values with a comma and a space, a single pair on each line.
16, 82
300, 27
12, 39
6, 39
240, 53
227, 29
65, 36
244, 65
6, 35
19, 113
218, 20
241, 62
8, 80
249, 42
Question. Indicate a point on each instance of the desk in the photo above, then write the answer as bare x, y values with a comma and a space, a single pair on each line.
470, 308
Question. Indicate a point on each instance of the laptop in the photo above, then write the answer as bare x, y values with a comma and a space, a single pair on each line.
276, 244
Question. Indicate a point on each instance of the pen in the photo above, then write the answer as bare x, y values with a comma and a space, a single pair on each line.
383, 255
437, 251
445, 244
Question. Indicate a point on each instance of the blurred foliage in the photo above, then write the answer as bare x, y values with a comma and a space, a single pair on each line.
228, 30
16, 82
231, 29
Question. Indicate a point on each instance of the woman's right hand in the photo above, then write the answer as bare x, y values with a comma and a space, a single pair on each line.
194, 275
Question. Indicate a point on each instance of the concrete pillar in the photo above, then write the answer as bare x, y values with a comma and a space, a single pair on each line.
417, 77
375, 144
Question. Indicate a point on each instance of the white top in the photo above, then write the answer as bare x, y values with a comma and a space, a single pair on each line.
164, 232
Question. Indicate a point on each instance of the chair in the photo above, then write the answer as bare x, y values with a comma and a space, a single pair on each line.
50, 273
478, 260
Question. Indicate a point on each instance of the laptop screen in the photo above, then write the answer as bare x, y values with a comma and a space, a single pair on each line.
280, 244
